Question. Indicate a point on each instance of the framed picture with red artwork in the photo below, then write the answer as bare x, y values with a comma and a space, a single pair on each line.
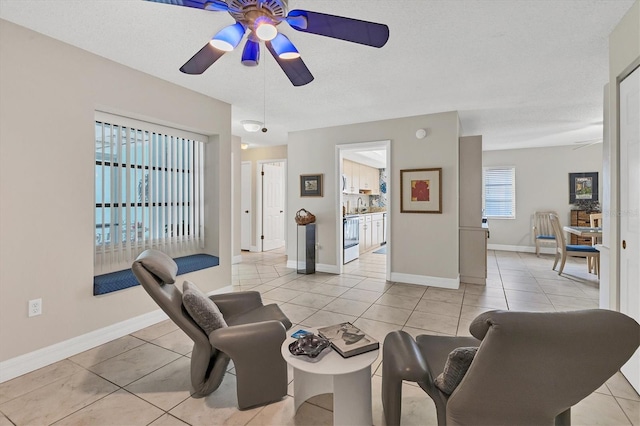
421, 191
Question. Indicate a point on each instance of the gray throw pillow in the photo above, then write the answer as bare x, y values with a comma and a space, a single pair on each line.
202, 309
455, 368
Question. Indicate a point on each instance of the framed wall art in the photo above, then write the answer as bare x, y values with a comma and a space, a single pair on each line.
311, 185
421, 191
583, 187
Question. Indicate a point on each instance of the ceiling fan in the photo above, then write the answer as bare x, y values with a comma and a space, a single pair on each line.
261, 17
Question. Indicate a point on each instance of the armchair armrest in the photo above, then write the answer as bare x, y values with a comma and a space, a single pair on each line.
261, 372
249, 341
402, 360
402, 357
238, 302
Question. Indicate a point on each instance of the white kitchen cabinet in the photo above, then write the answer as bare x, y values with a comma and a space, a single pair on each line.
377, 230
362, 234
360, 178
367, 232
351, 173
369, 180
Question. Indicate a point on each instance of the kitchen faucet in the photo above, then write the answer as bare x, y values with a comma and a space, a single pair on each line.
359, 210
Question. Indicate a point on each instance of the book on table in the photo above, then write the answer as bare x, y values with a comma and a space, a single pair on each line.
348, 340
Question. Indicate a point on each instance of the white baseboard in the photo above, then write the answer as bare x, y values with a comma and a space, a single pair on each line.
453, 283
31, 361
521, 249
320, 267
329, 269
236, 259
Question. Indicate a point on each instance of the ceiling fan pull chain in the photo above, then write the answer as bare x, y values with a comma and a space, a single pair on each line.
264, 98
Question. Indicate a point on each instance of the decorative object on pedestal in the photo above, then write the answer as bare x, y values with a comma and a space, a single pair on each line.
304, 217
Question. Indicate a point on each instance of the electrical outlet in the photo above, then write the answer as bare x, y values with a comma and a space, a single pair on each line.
35, 307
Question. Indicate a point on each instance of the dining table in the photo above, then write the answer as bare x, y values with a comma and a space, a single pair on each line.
584, 231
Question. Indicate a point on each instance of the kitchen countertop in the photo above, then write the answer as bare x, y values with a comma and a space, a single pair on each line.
363, 213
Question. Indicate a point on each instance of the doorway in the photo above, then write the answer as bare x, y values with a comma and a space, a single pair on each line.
364, 176
271, 203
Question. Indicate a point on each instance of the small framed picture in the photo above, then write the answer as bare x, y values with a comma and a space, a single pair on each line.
311, 185
583, 186
421, 191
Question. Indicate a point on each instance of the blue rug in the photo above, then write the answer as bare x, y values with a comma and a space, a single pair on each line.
381, 250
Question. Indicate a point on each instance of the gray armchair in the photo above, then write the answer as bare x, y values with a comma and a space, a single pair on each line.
252, 339
530, 367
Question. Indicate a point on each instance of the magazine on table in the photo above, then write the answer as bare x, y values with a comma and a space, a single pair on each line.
348, 340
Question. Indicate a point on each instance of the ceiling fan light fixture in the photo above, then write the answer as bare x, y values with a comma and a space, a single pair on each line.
251, 53
298, 22
266, 31
251, 125
284, 48
228, 38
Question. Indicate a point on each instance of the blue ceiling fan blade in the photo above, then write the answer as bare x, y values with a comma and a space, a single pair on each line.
202, 60
348, 29
295, 69
214, 5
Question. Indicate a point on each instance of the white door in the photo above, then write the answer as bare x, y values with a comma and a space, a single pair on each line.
272, 206
245, 206
629, 207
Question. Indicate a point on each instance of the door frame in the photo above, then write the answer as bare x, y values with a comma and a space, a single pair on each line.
259, 198
243, 188
339, 156
620, 303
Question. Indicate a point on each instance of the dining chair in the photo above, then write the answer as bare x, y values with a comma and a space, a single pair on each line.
542, 229
574, 250
595, 221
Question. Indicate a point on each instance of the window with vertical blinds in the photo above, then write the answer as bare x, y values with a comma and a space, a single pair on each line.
149, 190
499, 198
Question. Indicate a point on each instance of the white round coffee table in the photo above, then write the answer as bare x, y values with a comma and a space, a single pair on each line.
349, 379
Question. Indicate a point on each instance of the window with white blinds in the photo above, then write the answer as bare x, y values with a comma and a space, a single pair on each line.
149, 190
499, 198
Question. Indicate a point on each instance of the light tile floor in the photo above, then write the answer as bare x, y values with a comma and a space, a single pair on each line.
143, 378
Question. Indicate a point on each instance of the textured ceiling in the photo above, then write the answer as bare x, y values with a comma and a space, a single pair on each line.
522, 73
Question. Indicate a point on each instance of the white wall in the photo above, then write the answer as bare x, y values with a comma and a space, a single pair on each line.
424, 247
48, 94
542, 183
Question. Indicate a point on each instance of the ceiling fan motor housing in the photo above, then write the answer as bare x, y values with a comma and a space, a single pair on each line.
247, 11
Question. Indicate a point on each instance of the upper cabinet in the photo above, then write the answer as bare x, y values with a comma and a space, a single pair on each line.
360, 179
351, 172
369, 180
